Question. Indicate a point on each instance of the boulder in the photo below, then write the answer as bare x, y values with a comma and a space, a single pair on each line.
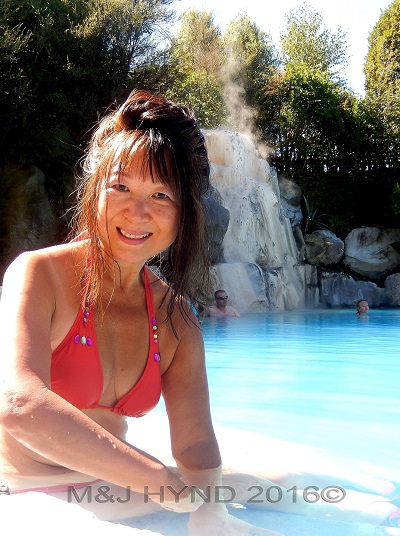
217, 221
29, 220
341, 290
323, 248
244, 282
392, 288
372, 252
290, 200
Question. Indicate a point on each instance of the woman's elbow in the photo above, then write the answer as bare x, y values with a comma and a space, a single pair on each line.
15, 406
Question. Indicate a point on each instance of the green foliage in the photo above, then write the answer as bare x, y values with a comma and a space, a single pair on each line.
201, 92
251, 50
250, 60
69, 59
382, 68
63, 62
196, 60
307, 41
313, 220
333, 145
395, 199
197, 43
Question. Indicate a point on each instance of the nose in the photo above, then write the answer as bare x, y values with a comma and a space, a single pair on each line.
136, 209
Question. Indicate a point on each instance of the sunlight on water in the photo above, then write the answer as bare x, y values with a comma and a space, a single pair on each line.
328, 378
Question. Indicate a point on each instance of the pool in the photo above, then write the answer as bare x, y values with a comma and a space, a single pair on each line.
324, 378
303, 392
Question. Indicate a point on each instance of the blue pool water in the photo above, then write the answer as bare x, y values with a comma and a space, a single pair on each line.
325, 378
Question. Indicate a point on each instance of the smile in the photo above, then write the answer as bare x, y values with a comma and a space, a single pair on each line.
133, 236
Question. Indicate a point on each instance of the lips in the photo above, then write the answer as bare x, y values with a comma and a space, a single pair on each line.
136, 236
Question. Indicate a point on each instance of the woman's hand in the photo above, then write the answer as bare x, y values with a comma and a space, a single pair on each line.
205, 522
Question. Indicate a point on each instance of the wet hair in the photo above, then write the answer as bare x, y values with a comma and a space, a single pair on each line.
359, 301
174, 151
216, 292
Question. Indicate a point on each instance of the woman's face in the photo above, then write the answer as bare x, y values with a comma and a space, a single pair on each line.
362, 307
138, 215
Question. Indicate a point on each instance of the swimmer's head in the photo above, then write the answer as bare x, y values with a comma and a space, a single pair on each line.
362, 307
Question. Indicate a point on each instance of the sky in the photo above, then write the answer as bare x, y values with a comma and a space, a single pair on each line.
355, 17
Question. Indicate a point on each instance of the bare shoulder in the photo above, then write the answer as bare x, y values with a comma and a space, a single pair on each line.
232, 311
42, 271
182, 317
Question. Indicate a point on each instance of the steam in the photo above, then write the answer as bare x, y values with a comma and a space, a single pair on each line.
240, 117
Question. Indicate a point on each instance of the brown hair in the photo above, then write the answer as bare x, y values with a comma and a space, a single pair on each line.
175, 151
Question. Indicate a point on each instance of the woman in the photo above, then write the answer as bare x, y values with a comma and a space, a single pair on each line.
92, 335
362, 307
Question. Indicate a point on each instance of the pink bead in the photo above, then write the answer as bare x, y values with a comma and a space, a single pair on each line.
89, 341
154, 321
157, 357
77, 339
86, 313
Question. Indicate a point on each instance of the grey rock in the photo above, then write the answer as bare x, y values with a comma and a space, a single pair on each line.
392, 288
290, 191
323, 248
30, 222
217, 221
341, 290
290, 194
372, 252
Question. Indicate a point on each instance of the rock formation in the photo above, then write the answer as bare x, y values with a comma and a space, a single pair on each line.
372, 252
258, 251
323, 248
28, 219
263, 267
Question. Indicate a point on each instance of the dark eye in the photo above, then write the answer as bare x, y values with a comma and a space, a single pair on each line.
161, 195
120, 187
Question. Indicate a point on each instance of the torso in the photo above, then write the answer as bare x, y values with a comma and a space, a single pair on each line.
119, 331
226, 311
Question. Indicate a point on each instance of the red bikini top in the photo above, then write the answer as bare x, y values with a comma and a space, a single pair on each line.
77, 376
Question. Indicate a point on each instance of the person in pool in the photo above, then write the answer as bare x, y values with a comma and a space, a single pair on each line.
362, 307
221, 307
91, 336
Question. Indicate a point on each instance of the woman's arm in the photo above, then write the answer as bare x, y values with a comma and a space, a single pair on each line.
193, 441
185, 390
40, 419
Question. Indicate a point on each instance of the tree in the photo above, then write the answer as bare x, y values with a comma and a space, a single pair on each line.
382, 68
70, 58
309, 42
333, 145
62, 62
196, 57
250, 59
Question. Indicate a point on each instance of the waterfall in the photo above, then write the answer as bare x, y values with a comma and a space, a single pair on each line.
262, 266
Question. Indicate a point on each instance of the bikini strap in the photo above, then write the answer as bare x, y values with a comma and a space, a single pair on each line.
151, 316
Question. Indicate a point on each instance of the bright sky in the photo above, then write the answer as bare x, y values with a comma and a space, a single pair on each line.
356, 17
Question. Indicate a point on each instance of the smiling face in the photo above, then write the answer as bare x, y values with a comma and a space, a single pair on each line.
175, 150
138, 215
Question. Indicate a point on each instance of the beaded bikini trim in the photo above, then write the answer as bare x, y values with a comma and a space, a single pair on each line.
87, 341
